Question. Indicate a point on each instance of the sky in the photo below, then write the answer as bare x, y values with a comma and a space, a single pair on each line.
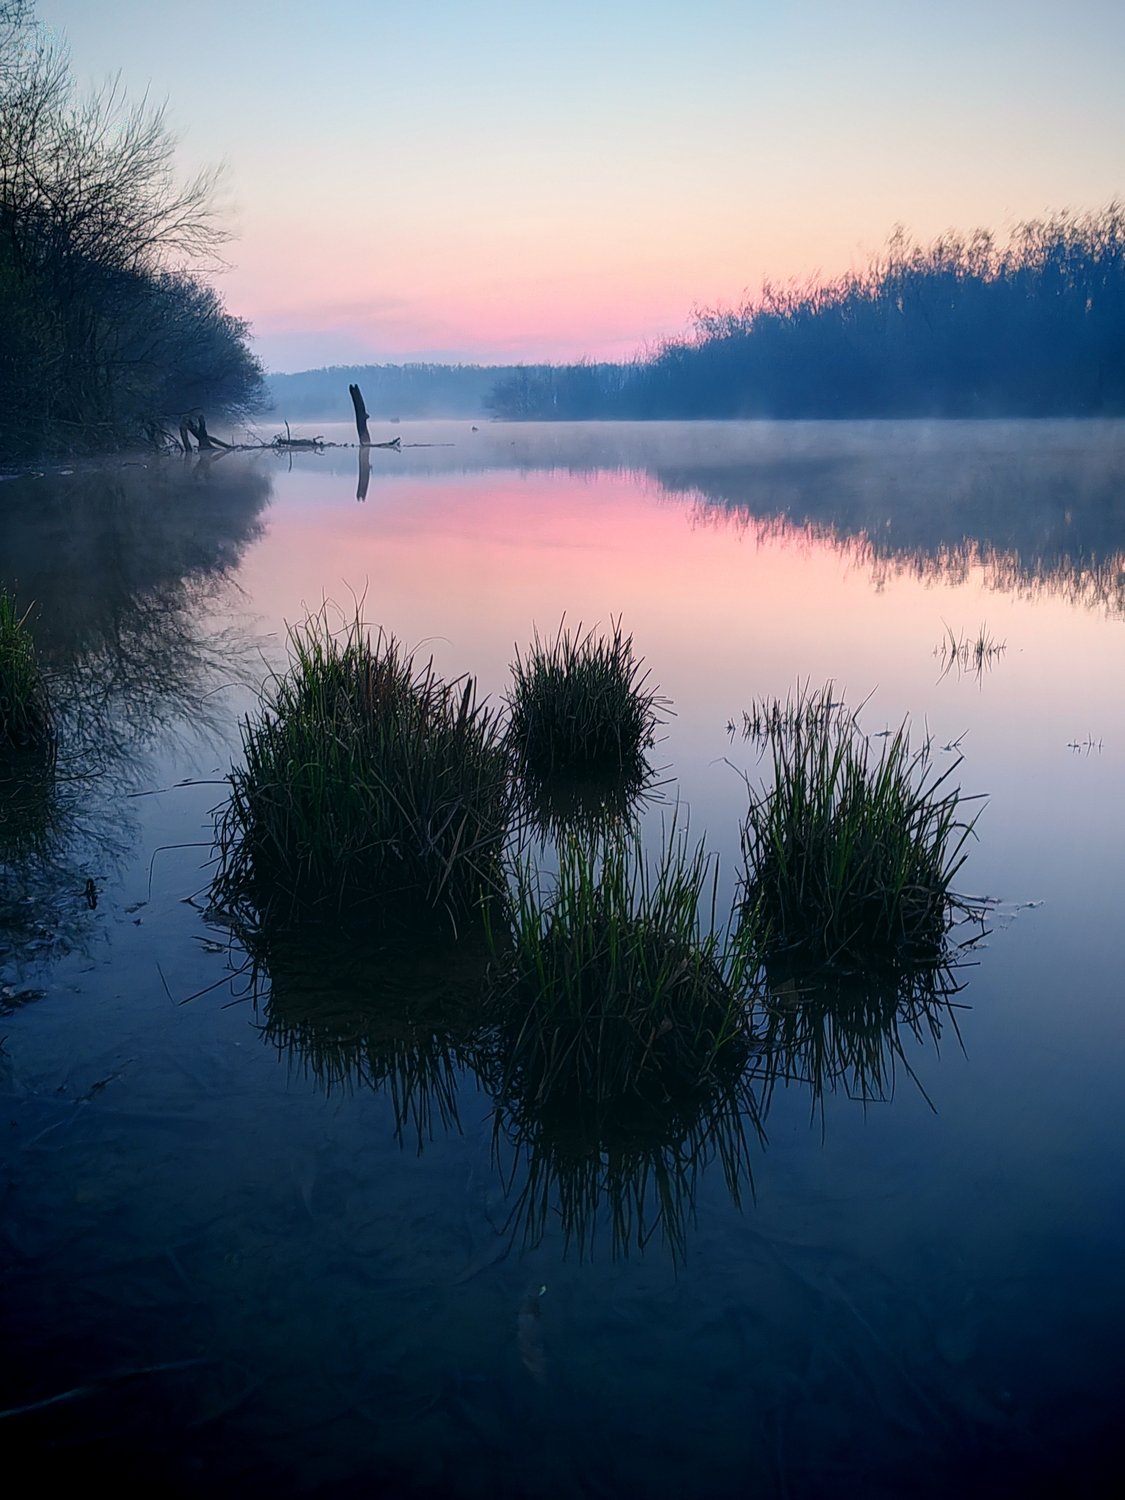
505, 180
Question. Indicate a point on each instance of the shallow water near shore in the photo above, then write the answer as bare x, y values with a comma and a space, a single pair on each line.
248, 1249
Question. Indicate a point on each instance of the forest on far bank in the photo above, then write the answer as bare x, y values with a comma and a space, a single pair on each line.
419, 389
108, 327
963, 327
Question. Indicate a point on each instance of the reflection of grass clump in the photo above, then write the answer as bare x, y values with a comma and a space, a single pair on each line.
557, 806
632, 1172
621, 1045
611, 993
371, 789
827, 1031
850, 856
406, 1019
29, 804
25, 712
579, 706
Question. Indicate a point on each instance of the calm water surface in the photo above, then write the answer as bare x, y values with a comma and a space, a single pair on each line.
250, 1260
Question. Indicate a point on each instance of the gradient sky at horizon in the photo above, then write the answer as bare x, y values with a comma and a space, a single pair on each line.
503, 181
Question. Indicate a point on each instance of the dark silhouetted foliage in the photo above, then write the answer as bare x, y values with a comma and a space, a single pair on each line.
372, 790
963, 327
103, 328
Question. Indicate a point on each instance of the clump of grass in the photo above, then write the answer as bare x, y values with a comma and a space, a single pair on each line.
580, 705
968, 654
613, 990
769, 718
26, 721
372, 791
851, 853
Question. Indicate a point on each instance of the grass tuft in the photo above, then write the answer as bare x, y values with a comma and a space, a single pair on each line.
580, 706
851, 853
26, 721
612, 993
968, 655
371, 791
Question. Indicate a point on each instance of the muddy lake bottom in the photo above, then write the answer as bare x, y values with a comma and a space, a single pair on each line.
238, 1260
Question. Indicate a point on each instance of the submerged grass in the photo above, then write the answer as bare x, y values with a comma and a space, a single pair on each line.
770, 718
580, 705
850, 854
372, 790
26, 721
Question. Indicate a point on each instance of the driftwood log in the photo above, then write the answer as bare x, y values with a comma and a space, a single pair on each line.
311, 445
196, 425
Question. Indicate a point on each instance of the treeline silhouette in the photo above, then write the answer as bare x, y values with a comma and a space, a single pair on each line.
105, 325
409, 390
962, 327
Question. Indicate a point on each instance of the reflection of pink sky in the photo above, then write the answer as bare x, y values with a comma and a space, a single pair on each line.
721, 614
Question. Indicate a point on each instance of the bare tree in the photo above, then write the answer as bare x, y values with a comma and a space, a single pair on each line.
96, 228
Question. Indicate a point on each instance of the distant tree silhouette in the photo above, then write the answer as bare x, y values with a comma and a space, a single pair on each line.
960, 327
409, 390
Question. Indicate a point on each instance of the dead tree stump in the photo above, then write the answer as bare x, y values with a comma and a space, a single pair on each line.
362, 415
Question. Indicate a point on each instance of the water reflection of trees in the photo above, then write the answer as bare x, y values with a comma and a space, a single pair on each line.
1038, 508
107, 555
125, 568
158, 676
